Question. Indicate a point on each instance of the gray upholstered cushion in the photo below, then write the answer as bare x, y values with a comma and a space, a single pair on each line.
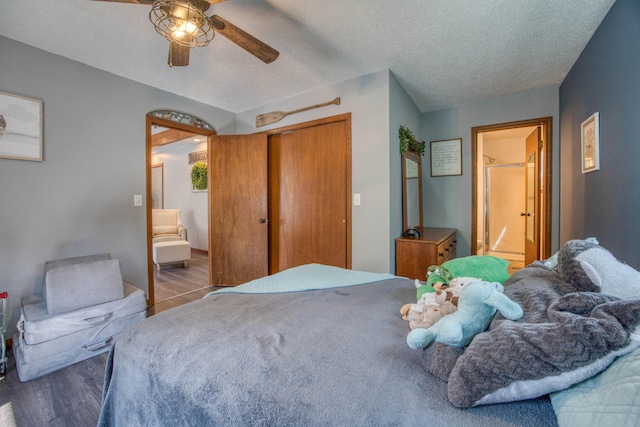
68, 261
77, 285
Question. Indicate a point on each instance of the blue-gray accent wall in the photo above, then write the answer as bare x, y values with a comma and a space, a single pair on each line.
606, 78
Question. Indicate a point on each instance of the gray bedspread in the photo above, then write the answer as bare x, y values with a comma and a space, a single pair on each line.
332, 357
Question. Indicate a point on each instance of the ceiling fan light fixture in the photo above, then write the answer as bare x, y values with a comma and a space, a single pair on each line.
183, 28
182, 22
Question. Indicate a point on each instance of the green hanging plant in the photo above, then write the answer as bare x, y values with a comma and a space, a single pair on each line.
199, 176
408, 141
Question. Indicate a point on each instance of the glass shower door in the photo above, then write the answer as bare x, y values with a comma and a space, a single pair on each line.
504, 202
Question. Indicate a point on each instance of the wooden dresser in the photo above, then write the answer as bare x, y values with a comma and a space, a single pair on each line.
415, 255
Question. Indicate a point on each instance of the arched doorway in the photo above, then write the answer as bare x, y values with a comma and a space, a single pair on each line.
165, 128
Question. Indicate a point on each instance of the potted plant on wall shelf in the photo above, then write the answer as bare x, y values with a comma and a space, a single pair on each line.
408, 141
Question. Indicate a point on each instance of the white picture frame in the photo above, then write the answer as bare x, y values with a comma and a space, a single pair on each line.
590, 143
20, 127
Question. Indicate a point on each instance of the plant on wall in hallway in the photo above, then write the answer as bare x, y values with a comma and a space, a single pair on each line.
199, 176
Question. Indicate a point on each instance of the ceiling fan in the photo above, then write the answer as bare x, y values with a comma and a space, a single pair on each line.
185, 25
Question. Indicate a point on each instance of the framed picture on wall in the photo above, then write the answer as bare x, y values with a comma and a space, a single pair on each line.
199, 174
590, 143
20, 127
199, 171
446, 157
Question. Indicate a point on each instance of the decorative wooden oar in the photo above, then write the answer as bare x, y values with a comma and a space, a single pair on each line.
276, 116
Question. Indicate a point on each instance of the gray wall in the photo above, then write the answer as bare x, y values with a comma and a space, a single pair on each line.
447, 200
402, 111
605, 204
80, 199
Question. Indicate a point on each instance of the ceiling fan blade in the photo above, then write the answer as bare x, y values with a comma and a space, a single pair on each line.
245, 40
151, 1
130, 1
178, 55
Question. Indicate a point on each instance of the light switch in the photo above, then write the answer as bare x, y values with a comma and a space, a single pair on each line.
356, 199
137, 200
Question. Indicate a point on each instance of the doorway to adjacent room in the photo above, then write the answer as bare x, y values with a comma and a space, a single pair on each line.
173, 149
511, 190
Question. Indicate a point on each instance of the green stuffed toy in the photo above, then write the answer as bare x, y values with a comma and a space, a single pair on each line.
482, 267
478, 303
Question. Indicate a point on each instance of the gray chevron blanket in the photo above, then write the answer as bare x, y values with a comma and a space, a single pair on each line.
566, 335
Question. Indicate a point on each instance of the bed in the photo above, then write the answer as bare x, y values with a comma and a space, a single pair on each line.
310, 346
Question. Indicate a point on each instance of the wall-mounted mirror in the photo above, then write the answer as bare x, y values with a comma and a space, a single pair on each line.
411, 190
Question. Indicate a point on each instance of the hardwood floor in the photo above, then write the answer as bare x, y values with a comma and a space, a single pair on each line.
66, 398
72, 396
515, 266
176, 285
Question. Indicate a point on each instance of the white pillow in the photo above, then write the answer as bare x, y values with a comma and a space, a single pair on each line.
613, 276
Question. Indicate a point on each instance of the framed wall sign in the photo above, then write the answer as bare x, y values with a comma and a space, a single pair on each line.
20, 127
198, 156
446, 157
590, 143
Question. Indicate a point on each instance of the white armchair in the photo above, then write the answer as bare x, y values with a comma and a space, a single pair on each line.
166, 225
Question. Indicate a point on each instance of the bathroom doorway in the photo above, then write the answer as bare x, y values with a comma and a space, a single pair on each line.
511, 191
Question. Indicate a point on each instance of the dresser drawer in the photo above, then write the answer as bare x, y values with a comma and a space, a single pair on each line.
450, 249
446, 250
442, 252
414, 256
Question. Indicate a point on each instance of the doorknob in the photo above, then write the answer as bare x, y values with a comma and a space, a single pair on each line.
264, 221
525, 214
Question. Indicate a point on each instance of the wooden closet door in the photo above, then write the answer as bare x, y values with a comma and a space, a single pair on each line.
238, 212
310, 195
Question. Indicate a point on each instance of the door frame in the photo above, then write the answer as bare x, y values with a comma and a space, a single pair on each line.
532, 246
152, 120
546, 165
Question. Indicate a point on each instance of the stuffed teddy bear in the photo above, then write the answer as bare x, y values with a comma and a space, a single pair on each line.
454, 287
478, 303
433, 306
423, 316
430, 298
431, 302
483, 267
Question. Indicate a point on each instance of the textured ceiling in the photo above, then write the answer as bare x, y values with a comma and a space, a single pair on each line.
443, 52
